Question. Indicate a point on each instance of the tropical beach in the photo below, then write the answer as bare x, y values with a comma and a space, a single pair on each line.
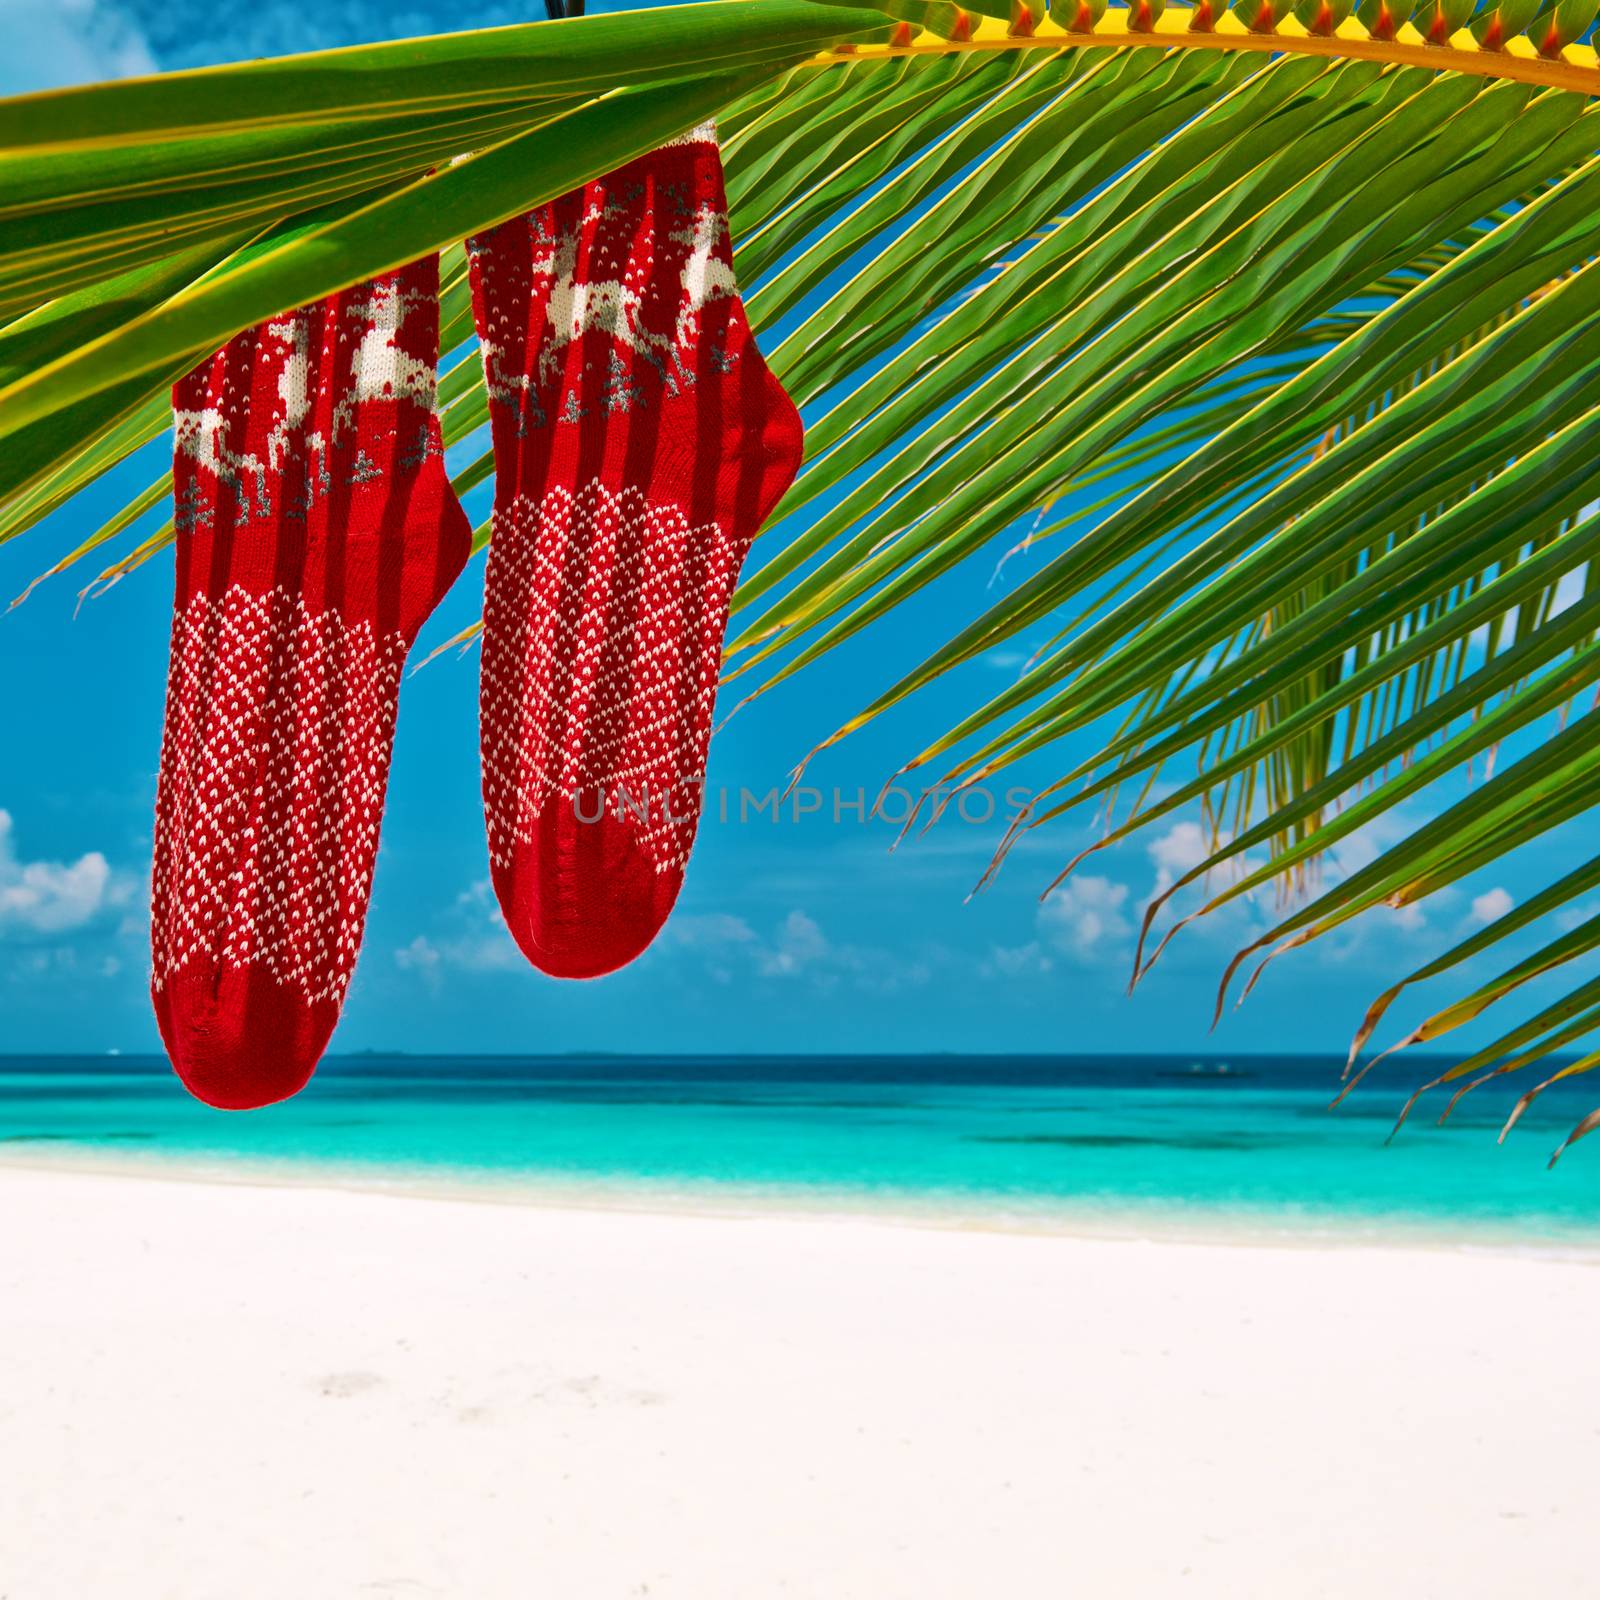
819, 817
226, 1387
837, 1328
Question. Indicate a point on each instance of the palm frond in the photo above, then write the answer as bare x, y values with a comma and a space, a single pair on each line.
1262, 344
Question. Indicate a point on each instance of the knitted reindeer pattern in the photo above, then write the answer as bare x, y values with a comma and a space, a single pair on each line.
639, 443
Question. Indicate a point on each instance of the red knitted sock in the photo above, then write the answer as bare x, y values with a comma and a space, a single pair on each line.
639, 443
316, 530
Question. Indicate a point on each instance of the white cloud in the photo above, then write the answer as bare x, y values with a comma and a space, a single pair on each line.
711, 931
1094, 921
64, 42
421, 955
1084, 918
1180, 849
1570, 588
1491, 905
799, 944
478, 940
797, 949
1187, 845
1361, 848
487, 952
717, 937
52, 896
1020, 961
192, 33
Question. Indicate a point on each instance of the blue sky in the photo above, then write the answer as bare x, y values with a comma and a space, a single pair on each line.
800, 934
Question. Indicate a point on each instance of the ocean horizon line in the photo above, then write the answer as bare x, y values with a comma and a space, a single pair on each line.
345, 1056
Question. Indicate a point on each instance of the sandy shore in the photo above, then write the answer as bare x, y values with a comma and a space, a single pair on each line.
221, 1391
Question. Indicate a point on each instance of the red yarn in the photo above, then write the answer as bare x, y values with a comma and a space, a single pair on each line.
316, 530
639, 441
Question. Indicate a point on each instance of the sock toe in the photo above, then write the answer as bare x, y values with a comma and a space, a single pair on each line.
592, 902
244, 1043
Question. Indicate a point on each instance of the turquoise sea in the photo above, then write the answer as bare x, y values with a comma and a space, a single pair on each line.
1126, 1144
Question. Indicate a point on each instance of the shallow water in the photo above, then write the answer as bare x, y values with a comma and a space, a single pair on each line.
1116, 1143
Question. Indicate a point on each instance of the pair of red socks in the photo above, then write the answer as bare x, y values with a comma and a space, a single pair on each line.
639, 443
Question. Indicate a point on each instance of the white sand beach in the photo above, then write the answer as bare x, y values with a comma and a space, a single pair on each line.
213, 1391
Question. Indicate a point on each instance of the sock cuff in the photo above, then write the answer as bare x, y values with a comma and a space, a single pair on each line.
704, 133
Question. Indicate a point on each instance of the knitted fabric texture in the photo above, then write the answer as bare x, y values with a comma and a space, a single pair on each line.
640, 441
316, 530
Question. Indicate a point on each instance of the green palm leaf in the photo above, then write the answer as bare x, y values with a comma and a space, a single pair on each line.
1270, 355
